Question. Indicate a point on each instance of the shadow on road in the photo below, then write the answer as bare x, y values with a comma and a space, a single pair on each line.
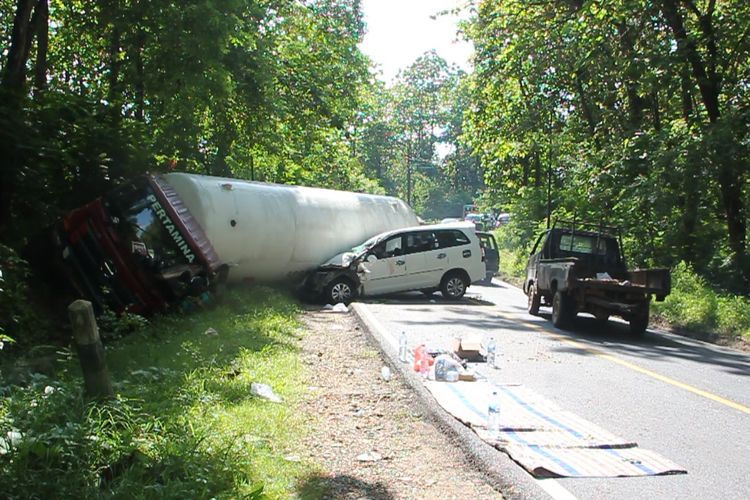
342, 486
616, 336
613, 335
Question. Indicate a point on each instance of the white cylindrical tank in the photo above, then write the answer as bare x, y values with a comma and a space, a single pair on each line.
268, 232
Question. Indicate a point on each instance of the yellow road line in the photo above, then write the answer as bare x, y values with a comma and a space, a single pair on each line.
634, 367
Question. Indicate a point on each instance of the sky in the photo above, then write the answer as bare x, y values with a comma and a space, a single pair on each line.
399, 31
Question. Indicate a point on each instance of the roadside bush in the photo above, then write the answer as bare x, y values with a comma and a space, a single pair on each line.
693, 305
734, 316
185, 423
18, 320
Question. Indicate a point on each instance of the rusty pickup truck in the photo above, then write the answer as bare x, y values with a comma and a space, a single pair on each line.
578, 267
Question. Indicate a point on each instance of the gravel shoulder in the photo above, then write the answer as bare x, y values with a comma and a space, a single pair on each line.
370, 437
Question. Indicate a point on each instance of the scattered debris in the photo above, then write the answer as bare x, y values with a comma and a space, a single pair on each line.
264, 391
337, 308
211, 333
385, 373
370, 456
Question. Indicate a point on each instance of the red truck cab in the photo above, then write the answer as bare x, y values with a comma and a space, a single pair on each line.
136, 249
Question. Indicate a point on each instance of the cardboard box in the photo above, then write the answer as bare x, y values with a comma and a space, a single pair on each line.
468, 348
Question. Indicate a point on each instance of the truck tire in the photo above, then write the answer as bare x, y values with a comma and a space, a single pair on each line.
453, 286
535, 300
340, 290
562, 309
639, 323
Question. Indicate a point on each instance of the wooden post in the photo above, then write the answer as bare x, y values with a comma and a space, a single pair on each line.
90, 350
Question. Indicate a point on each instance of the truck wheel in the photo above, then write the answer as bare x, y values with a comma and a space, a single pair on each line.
340, 290
562, 309
453, 286
639, 323
535, 300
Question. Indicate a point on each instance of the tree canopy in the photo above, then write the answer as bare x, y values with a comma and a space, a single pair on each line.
632, 111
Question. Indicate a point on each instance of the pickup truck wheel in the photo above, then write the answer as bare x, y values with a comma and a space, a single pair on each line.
562, 309
453, 286
340, 290
535, 300
639, 323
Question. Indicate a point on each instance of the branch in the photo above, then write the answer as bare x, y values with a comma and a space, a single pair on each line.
691, 7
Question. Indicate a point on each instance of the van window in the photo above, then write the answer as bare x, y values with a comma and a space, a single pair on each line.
420, 241
390, 248
451, 238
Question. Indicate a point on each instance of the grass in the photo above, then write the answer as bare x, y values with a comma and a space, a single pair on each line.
184, 423
694, 306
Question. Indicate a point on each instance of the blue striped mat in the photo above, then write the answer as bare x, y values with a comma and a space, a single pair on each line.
545, 439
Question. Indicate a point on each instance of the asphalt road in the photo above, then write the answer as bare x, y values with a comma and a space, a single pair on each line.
686, 400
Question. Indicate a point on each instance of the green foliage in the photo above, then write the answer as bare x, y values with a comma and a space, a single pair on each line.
601, 109
184, 423
694, 306
19, 323
114, 326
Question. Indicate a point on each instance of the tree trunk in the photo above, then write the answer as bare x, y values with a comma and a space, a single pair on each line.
40, 21
729, 175
11, 104
14, 75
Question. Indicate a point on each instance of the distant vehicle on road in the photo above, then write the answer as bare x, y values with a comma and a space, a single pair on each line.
579, 268
477, 220
445, 257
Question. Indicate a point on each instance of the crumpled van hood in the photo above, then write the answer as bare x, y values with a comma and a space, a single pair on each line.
341, 260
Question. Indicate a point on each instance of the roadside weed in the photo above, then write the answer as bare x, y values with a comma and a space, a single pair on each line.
184, 423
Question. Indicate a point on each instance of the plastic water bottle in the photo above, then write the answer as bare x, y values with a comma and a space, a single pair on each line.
491, 352
402, 347
496, 358
493, 414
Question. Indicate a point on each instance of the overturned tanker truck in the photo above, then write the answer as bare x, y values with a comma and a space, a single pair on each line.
166, 240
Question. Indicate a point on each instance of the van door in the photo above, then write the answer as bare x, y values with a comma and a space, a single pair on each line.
385, 267
491, 254
462, 252
424, 265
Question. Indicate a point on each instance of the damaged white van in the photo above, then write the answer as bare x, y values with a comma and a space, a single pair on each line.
445, 257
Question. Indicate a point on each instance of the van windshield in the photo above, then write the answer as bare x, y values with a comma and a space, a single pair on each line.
363, 247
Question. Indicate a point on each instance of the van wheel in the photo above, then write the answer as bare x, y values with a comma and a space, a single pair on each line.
535, 300
340, 290
562, 309
453, 286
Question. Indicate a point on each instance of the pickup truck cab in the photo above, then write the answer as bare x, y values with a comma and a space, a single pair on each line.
445, 257
581, 269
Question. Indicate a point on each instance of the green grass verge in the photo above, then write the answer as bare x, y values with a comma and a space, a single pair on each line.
184, 424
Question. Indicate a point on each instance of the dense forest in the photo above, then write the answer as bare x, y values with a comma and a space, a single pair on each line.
632, 112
